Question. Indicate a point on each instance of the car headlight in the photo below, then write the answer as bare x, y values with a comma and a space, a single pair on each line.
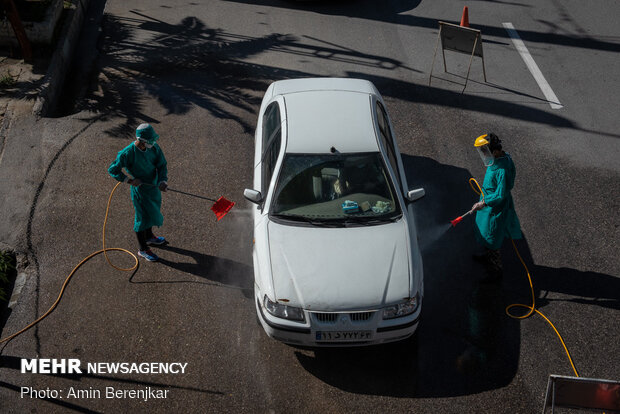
283, 311
402, 309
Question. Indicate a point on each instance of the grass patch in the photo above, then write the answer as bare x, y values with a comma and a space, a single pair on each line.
7, 81
7, 271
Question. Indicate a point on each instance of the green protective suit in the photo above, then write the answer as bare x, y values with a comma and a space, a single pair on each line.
498, 219
151, 168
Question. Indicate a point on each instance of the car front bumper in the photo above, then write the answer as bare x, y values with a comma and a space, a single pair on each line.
339, 329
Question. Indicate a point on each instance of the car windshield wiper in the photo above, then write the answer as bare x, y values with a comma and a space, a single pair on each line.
313, 221
369, 220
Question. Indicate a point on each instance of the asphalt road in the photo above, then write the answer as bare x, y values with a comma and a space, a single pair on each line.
197, 72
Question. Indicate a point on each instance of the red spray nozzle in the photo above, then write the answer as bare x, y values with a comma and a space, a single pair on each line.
221, 207
459, 219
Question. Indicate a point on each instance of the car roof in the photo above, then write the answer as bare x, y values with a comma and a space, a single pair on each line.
328, 112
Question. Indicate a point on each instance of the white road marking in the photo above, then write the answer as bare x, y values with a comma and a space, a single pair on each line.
533, 67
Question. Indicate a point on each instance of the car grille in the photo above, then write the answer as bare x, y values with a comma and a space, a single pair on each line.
333, 317
360, 316
326, 317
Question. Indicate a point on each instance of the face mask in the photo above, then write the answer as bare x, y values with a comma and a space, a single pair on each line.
486, 155
146, 144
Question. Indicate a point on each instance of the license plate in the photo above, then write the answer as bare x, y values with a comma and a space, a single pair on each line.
343, 336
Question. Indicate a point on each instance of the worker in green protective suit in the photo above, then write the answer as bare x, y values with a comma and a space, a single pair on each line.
496, 217
146, 165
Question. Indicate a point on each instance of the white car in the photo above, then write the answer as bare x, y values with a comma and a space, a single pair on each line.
336, 256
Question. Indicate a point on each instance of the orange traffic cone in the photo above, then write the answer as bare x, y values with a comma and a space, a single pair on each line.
465, 18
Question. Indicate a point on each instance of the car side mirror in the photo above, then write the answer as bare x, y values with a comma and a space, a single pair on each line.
416, 194
253, 196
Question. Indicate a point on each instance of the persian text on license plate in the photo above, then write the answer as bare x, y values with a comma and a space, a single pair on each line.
343, 335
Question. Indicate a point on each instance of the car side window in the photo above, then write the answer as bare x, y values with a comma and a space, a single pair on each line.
271, 123
388, 140
269, 160
272, 138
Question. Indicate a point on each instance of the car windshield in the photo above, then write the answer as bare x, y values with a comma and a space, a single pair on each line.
334, 187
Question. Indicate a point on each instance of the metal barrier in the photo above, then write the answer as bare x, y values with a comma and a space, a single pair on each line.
582, 393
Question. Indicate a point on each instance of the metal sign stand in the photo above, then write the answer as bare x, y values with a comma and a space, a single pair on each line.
462, 40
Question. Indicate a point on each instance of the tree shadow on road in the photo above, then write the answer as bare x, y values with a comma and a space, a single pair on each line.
188, 65
411, 92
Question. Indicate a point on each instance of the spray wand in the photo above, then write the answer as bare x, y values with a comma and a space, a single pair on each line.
221, 206
478, 191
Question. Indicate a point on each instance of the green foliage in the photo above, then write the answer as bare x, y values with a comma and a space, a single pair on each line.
6, 81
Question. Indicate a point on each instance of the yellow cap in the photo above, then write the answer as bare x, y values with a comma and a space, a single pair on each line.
481, 140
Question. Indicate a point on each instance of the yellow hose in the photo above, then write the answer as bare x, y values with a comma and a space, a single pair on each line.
531, 308
87, 258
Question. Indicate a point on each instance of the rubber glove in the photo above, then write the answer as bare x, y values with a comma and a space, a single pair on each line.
163, 186
478, 206
135, 182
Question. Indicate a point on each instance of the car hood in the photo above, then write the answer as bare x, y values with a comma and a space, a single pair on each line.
337, 269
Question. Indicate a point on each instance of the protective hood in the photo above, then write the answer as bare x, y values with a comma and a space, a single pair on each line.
147, 134
337, 269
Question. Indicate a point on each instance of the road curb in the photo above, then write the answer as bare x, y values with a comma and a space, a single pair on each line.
7, 116
61, 60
